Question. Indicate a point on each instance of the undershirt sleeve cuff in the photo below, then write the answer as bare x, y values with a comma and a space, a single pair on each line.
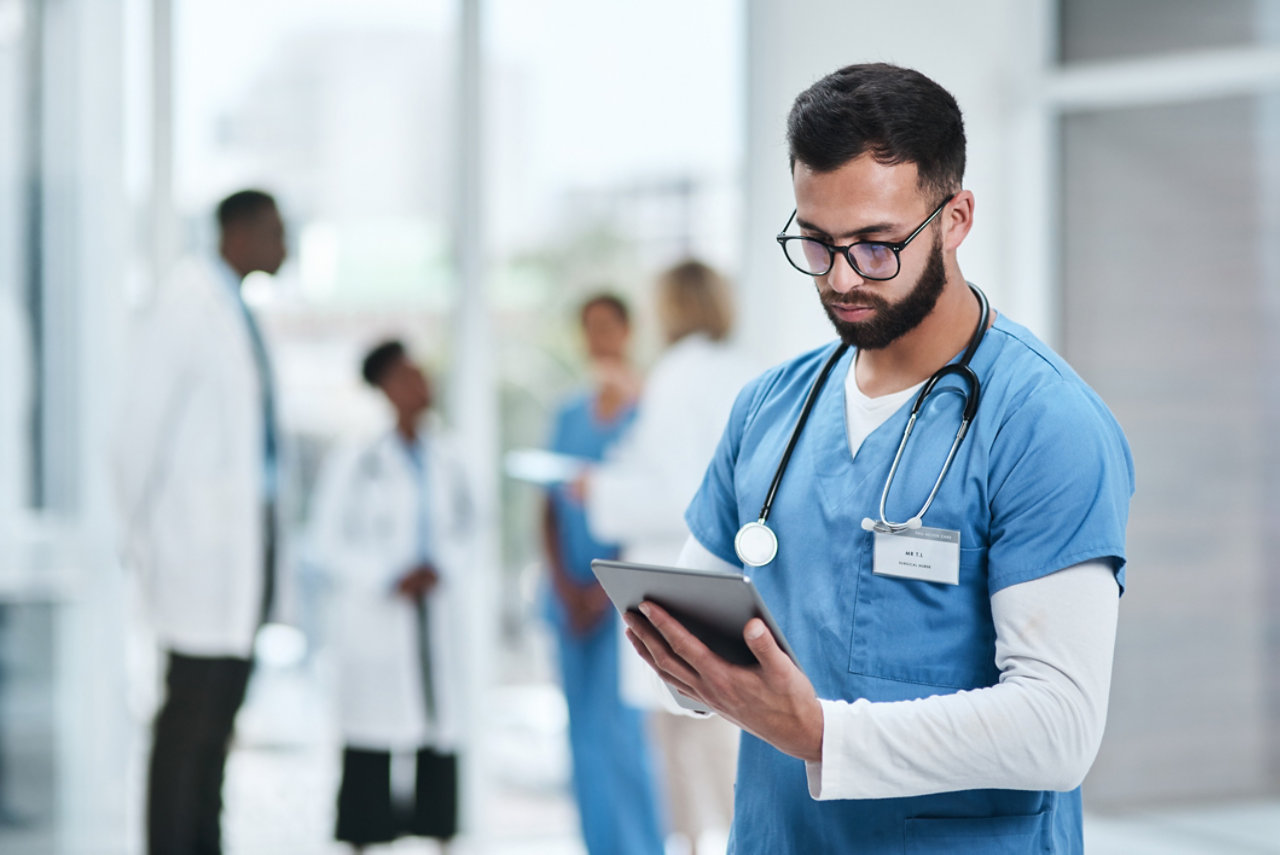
695, 556
825, 779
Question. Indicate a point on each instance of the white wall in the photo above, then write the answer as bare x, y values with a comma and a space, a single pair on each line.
989, 53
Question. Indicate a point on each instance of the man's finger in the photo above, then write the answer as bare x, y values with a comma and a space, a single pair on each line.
662, 658
648, 659
765, 648
687, 646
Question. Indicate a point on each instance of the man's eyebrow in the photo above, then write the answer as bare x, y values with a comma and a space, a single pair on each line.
873, 229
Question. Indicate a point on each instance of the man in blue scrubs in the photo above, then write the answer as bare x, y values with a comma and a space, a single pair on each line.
612, 771
951, 680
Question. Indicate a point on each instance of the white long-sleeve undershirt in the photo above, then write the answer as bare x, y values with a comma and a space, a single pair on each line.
1038, 728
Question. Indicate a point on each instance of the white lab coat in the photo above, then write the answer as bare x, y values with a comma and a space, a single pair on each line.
638, 495
365, 533
189, 466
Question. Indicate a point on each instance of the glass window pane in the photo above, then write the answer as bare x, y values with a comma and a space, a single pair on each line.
29, 732
615, 151
17, 359
1124, 29
339, 108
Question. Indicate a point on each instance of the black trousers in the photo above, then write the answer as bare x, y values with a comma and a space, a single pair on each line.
368, 814
189, 753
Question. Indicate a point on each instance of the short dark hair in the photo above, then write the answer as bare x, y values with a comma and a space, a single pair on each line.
897, 114
243, 205
605, 298
380, 359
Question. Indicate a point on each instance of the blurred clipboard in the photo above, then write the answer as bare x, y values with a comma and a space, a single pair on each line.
541, 467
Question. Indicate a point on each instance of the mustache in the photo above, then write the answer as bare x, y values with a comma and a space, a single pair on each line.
873, 301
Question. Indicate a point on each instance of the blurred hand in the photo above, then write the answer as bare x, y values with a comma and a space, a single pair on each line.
589, 608
418, 582
616, 377
576, 490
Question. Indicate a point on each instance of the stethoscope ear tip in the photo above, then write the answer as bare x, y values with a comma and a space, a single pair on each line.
868, 524
914, 523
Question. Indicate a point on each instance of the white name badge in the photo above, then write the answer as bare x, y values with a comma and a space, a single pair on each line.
927, 554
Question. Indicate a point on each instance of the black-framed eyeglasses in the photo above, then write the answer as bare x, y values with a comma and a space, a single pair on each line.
871, 259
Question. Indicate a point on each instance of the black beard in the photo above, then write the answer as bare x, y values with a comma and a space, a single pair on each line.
891, 320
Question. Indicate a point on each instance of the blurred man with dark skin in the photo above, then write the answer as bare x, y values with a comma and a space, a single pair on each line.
612, 774
197, 472
393, 526
252, 233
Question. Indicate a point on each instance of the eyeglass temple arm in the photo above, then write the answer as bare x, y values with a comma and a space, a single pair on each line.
783, 233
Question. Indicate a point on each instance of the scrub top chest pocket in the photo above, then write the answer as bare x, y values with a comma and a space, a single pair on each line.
922, 632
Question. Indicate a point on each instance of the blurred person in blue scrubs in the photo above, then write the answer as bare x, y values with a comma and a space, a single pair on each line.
197, 453
393, 524
612, 766
953, 667
637, 497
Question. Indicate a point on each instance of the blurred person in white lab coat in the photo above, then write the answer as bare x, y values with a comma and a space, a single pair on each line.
197, 451
393, 524
638, 496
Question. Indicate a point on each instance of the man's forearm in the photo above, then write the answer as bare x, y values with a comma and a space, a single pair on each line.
1039, 728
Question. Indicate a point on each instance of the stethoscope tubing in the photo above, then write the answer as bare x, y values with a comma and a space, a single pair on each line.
799, 428
972, 397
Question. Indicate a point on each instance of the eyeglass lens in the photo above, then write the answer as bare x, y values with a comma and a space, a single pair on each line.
816, 258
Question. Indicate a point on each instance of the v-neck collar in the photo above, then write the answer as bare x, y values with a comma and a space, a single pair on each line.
842, 477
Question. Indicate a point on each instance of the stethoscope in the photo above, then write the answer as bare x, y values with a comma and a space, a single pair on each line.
756, 543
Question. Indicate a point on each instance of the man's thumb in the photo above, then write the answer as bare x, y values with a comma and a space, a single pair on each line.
761, 642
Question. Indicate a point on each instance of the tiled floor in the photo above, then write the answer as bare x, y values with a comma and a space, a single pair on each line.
1245, 828
282, 777
280, 801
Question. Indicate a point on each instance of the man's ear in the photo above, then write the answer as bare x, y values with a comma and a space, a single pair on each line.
957, 219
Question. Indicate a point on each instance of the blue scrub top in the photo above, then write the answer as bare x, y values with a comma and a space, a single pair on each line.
580, 433
1041, 482
262, 361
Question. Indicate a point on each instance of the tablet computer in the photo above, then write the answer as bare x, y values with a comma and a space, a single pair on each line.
713, 606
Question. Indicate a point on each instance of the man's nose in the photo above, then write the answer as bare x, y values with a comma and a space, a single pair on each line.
842, 278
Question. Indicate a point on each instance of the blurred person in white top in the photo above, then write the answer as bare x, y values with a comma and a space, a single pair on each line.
637, 497
196, 451
393, 525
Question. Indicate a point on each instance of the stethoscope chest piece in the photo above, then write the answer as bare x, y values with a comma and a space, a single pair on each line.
756, 544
